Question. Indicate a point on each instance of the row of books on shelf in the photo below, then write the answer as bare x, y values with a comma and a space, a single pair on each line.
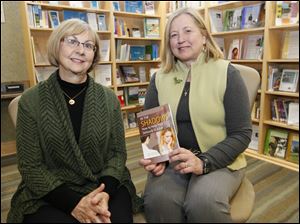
287, 12
255, 113
145, 7
174, 5
150, 28
285, 110
283, 79
238, 18
39, 18
248, 47
77, 4
278, 143
126, 52
132, 95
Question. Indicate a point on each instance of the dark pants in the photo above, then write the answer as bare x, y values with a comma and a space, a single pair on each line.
119, 205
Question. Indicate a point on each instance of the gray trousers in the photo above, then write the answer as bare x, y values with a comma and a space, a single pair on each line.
181, 198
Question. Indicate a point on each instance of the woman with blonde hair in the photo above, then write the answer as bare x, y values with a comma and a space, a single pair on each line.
167, 141
210, 105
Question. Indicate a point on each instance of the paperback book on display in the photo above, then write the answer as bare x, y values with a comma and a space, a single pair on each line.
157, 133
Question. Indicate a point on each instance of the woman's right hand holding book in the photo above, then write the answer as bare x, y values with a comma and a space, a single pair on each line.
156, 168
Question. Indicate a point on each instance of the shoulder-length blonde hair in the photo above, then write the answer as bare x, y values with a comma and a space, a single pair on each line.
68, 28
212, 50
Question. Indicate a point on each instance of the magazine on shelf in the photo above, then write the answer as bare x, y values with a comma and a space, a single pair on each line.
153, 125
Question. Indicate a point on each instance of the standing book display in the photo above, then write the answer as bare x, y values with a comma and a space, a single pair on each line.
157, 133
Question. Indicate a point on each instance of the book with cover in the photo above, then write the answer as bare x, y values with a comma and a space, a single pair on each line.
157, 133
103, 74
70, 14
254, 138
250, 16
289, 80
216, 20
134, 6
54, 18
293, 148
276, 143
149, 8
129, 73
102, 22
151, 27
293, 114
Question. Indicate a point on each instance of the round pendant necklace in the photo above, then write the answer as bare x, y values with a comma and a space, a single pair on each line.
72, 99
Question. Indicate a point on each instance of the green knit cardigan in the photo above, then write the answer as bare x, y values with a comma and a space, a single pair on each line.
48, 154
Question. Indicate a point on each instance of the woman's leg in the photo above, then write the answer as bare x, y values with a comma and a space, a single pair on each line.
164, 196
120, 206
208, 196
49, 214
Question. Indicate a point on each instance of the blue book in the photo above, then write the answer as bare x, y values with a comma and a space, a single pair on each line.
137, 53
134, 6
68, 14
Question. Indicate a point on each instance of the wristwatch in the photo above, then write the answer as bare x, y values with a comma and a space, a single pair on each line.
206, 165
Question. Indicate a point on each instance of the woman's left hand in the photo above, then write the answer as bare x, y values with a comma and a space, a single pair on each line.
188, 162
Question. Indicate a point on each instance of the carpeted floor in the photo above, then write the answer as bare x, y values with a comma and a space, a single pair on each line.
276, 188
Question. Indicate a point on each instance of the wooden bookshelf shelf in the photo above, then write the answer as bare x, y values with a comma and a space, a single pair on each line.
240, 32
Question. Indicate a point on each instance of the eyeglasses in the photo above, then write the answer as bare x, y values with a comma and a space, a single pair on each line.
75, 43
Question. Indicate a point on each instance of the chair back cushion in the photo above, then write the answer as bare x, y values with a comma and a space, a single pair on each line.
13, 109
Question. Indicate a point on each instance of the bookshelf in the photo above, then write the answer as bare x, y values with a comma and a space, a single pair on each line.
272, 47
36, 41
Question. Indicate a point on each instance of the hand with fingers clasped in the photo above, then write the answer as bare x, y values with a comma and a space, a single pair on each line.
93, 208
156, 168
188, 162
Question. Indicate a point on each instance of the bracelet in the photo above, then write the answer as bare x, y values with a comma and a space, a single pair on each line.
206, 165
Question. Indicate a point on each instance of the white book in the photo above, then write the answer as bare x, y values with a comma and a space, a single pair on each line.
104, 50
253, 47
234, 50
92, 20
76, 4
293, 45
289, 80
216, 21
149, 8
254, 138
220, 42
102, 22
142, 74
103, 75
293, 115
